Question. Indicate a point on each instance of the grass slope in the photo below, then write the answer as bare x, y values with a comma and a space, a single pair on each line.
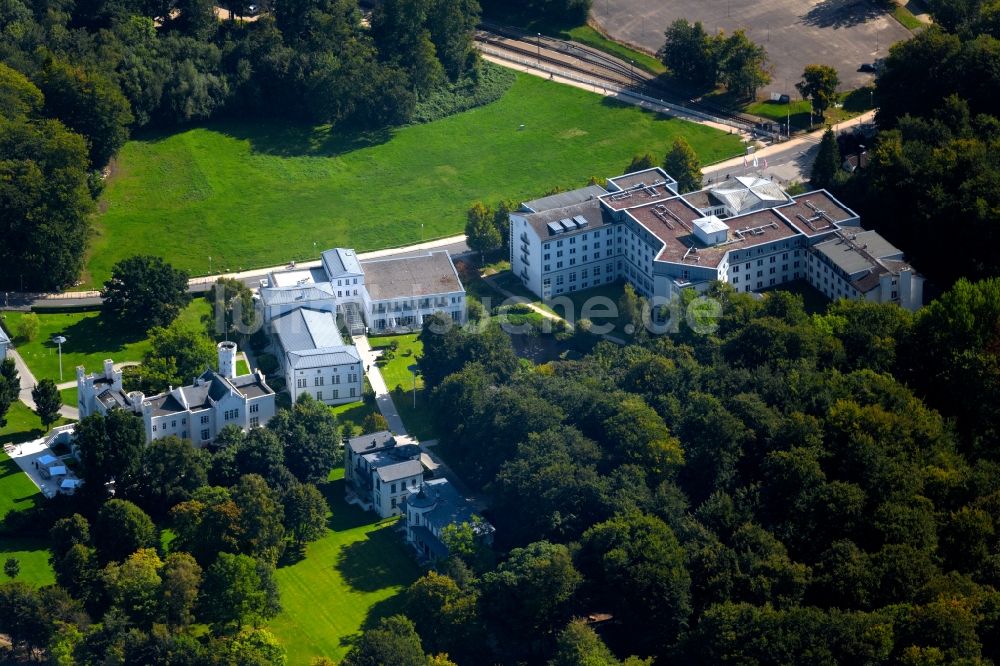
89, 340
253, 194
585, 34
347, 581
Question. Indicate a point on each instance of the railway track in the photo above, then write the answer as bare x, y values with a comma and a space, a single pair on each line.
603, 69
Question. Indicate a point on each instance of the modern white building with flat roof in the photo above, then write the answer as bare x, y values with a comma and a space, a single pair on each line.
746, 231
196, 412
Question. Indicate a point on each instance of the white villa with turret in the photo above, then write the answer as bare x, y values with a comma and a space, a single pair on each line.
196, 412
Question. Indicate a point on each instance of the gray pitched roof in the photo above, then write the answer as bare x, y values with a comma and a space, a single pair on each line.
400, 470
303, 294
305, 328
339, 262
371, 442
449, 506
563, 199
322, 358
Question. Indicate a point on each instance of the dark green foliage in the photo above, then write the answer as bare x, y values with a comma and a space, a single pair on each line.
640, 163
238, 590
393, 641
169, 471
90, 103
827, 165
819, 84
121, 529
47, 402
10, 387
531, 594
145, 291
44, 200
484, 84
690, 53
305, 513
447, 348
109, 447
635, 556
682, 163
310, 437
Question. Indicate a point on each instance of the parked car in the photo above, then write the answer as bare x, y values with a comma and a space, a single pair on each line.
252, 10
867, 67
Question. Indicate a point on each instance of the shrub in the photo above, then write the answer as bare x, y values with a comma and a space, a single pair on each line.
267, 363
27, 328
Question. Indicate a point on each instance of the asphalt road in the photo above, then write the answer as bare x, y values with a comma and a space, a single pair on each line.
13, 300
839, 33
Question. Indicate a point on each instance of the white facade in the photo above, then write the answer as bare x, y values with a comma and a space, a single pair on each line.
379, 472
315, 358
380, 294
747, 232
196, 412
4, 344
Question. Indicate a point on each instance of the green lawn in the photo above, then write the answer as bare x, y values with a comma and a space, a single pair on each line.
590, 37
22, 425
907, 19
33, 555
354, 413
18, 493
89, 340
854, 102
347, 581
69, 396
416, 414
242, 367
182, 195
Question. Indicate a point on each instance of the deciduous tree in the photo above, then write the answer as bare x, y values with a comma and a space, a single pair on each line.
145, 291
682, 163
819, 84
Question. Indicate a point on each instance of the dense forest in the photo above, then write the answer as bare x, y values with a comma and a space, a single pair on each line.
933, 186
76, 78
792, 489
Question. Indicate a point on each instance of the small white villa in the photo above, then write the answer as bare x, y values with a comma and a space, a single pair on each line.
379, 472
432, 506
196, 412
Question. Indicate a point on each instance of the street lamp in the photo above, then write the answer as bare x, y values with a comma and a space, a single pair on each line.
59, 340
210, 265
631, 69
538, 43
413, 369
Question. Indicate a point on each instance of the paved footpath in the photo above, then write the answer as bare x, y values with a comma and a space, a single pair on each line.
387, 407
28, 382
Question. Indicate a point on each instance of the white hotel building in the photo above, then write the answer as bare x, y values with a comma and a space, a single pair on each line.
747, 232
196, 412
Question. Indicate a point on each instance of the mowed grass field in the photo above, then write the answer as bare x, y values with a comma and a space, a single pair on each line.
18, 493
89, 340
396, 373
256, 194
347, 581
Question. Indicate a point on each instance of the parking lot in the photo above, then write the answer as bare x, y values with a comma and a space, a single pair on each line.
840, 33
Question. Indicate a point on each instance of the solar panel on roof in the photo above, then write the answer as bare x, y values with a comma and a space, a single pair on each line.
555, 228
580, 220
